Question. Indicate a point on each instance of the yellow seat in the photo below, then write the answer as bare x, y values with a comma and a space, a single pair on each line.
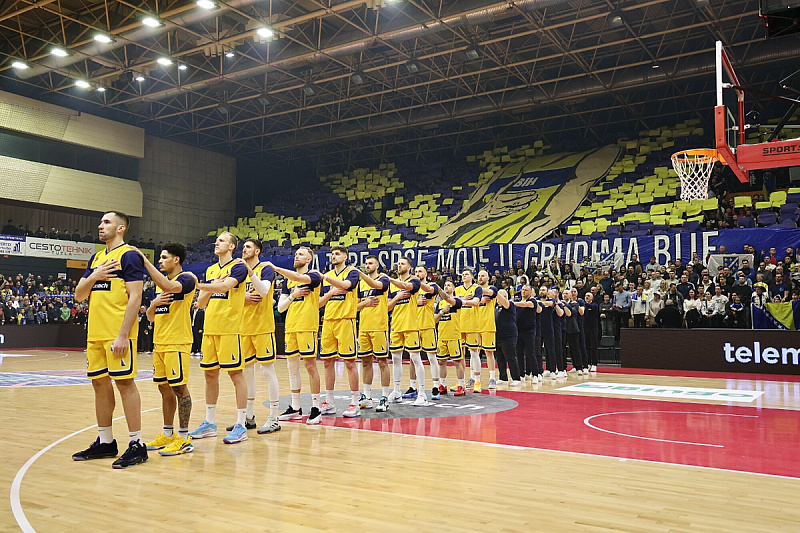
659, 219
659, 209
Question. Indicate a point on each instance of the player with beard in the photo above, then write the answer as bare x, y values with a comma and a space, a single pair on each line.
373, 331
449, 336
486, 328
470, 337
427, 336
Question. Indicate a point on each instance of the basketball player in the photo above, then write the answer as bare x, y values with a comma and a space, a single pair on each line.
300, 299
470, 337
405, 330
449, 345
486, 327
114, 279
427, 336
373, 332
340, 300
172, 337
258, 340
222, 296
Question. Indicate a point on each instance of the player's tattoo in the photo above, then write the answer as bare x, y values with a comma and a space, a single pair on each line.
184, 409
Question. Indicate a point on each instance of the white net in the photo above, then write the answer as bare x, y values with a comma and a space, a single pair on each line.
694, 168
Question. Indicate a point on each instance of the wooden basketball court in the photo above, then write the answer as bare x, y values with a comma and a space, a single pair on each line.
620, 452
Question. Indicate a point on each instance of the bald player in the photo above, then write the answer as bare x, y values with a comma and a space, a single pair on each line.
373, 331
486, 328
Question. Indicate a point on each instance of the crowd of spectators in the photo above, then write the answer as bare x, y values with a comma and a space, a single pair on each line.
29, 300
66, 235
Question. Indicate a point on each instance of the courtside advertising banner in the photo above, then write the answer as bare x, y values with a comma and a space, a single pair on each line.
12, 245
53, 249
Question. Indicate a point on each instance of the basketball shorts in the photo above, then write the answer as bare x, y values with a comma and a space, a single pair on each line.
338, 338
427, 338
103, 363
170, 366
488, 340
301, 343
404, 339
373, 343
449, 349
472, 340
259, 348
222, 351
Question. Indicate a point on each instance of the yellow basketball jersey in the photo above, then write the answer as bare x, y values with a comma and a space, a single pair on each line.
173, 324
448, 322
405, 316
426, 310
109, 298
467, 315
342, 305
259, 318
303, 313
485, 312
375, 318
225, 309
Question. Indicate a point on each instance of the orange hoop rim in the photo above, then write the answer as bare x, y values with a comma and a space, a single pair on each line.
698, 155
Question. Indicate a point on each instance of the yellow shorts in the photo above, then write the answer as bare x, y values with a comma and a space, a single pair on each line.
427, 338
338, 338
488, 340
171, 366
471, 340
259, 348
450, 349
222, 351
373, 343
103, 363
405, 339
302, 343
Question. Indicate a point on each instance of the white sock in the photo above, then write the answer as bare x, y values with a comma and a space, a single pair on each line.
397, 369
314, 400
413, 381
385, 392
434, 364
241, 415
169, 430
105, 434
211, 413
417, 360
444, 382
272, 385
135, 436
368, 391
251, 408
296, 400
461, 382
492, 374
329, 397
354, 397
183, 433
436, 383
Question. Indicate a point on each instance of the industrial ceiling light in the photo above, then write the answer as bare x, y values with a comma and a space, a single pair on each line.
19, 65
206, 4
165, 61
357, 78
83, 84
101, 89
182, 67
473, 52
222, 109
152, 22
266, 32
308, 88
615, 19
702, 3
59, 52
412, 66
139, 78
229, 53
263, 100
103, 38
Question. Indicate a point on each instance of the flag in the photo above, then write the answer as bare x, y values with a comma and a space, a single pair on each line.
783, 315
734, 261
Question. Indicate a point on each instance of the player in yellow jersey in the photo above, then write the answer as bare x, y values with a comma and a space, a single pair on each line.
222, 296
484, 315
340, 300
405, 330
449, 335
300, 299
172, 336
427, 336
113, 283
258, 335
470, 335
373, 331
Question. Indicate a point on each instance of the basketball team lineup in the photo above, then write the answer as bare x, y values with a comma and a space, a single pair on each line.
592, 424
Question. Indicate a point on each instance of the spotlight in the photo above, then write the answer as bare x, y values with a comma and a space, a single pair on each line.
139, 78
412, 66
182, 67
19, 65
101, 89
103, 38
265, 32
222, 109
473, 52
206, 4
308, 88
615, 19
153, 22
230, 53
82, 84
263, 100
164, 61
60, 52
357, 78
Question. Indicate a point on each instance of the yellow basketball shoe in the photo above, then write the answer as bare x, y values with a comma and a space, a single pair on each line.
162, 441
178, 447
477, 387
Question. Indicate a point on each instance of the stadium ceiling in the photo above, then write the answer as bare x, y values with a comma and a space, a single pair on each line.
344, 81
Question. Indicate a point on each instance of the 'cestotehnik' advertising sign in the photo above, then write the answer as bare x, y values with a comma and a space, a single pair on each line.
35, 247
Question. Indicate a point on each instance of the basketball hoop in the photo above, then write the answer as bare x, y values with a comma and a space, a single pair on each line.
694, 168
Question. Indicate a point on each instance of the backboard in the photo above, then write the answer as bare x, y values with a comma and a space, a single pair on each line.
731, 127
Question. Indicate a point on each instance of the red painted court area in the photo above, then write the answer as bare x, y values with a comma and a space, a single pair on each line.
746, 439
